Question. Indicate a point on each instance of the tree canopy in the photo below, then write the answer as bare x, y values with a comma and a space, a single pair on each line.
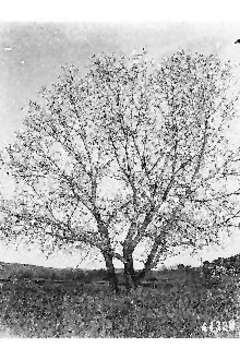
132, 154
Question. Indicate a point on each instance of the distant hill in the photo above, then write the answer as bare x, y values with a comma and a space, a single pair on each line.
229, 262
27, 271
8, 270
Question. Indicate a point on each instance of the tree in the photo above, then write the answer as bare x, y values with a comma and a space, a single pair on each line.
157, 133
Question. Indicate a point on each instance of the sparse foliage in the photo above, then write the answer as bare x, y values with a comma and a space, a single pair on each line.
131, 155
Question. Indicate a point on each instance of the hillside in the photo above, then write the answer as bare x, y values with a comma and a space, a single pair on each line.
45, 271
232, 261
27, 271
171, 303
37, 301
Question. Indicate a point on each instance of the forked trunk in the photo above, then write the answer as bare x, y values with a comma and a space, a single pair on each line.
148, 264
129, 272
113, 281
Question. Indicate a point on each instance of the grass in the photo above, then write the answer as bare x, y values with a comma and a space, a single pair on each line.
174, 303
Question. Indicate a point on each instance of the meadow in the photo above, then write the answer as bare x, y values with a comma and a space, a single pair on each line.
170, 303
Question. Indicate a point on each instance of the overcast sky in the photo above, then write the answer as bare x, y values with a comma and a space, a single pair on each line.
31, 55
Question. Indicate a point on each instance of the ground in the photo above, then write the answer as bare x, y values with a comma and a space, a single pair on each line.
172, 303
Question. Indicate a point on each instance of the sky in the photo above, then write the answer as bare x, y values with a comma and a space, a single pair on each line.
31, 55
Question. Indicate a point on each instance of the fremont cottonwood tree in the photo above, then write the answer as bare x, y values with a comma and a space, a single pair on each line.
157, 133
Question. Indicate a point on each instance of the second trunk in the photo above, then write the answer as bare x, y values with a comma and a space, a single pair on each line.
129, 273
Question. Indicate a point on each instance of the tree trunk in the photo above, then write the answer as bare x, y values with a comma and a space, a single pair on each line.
129, 273
113, 281
148, 264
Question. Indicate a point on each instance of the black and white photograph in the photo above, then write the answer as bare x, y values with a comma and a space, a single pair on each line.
120, 179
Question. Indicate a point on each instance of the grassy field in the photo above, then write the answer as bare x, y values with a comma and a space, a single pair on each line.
172, 303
